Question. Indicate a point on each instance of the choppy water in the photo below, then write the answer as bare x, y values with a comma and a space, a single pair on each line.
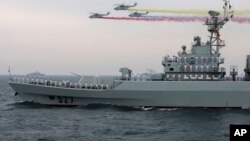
26, 121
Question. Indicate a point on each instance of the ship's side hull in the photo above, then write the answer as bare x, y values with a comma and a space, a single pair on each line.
144, 93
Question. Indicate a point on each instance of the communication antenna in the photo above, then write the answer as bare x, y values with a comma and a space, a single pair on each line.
215, 23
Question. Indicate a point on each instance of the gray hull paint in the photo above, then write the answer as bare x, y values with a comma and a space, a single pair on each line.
146, 93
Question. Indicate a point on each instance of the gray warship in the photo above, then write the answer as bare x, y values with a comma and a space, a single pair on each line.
190, 79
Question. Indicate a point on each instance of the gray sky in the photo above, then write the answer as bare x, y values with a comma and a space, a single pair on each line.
57, 37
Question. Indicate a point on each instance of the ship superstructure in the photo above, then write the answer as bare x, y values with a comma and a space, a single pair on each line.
203, 62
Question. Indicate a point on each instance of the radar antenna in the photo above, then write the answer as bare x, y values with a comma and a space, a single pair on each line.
215, 23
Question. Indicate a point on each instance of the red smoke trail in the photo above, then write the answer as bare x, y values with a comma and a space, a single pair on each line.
133, 19
179, 18
157, 19
176, 19
241, 20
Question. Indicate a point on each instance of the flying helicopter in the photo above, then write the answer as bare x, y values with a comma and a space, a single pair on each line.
98, 15
137, 14
124, 7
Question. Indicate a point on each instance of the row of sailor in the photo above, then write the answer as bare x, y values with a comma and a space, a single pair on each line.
197, 68
177, 77
201, 60
63, 83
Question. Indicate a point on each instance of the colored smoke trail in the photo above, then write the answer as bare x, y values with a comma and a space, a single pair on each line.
127, 18
179, 18
242, 12
186, 11
238, 19
241, 20
159, 18
201, 12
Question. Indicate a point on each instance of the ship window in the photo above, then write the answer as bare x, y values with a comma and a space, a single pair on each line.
169, 64
171, 69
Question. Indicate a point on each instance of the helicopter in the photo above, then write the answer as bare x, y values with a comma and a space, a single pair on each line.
98, 15
137, 14
124, 7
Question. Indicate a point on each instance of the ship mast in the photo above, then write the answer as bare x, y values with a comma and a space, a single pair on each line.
215, 23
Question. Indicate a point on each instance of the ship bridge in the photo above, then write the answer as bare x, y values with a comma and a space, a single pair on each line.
198, 64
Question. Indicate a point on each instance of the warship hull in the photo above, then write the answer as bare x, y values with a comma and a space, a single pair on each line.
216, 94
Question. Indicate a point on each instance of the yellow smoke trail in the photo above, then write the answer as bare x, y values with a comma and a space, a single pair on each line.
187, 11
242, 12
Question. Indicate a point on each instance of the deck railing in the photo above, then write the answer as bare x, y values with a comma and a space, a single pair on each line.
55, 83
